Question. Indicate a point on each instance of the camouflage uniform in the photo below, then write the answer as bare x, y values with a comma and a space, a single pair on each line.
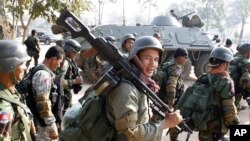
174, 83
14, 119
42, 82
225, 111
70, 69
32, 43
242, 65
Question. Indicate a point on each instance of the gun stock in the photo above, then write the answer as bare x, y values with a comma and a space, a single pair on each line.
111, 53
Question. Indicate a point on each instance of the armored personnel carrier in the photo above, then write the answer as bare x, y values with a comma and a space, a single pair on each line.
173, 35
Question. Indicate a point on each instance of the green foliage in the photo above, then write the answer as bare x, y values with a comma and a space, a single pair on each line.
47, 9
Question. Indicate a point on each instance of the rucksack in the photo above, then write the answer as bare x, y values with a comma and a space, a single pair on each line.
235, 72
197, 103
87, 122
30, 44
25, 88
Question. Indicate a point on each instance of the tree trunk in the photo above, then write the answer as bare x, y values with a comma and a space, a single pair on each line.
242, 30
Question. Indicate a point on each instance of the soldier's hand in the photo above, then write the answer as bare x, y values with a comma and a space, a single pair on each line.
52, 129
172, 119
78, 80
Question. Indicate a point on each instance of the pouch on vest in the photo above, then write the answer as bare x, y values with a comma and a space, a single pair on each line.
196, 104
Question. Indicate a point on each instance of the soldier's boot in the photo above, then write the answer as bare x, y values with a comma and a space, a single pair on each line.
173, 133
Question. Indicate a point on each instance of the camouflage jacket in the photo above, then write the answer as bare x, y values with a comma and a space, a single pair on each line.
14, 119
237, 68
173, 85
224, 112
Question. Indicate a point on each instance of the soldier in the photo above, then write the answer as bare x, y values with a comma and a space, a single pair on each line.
73, 79
128, 108
175, 86
42, 82
15, 117
226, 113
127, 43
174, 82
238, 67
33, 47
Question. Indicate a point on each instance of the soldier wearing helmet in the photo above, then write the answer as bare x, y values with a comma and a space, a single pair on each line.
127, 43
72, 77
224, 107
15, 117
171, 83
238, 67
128, 107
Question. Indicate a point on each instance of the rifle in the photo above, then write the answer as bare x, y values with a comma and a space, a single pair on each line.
120, 64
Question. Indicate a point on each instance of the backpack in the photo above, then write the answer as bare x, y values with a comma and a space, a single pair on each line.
25, 88
235, 72
197, 104
30, 44
89, 121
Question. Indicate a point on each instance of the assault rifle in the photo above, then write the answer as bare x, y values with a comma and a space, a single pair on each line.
121, 65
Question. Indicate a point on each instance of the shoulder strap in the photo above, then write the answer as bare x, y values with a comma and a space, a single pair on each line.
16, 102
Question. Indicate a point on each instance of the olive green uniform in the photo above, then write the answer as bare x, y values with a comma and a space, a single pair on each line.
128, 110
14, 118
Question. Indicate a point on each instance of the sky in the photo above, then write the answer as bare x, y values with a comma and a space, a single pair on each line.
111, 10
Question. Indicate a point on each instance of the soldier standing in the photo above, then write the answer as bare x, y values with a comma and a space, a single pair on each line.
72, 78
174, 82
33, 47
128, 108
127, 43
225, 114
42, 82
238, 67
15, 117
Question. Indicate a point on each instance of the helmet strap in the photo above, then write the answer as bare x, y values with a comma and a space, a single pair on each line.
14, 78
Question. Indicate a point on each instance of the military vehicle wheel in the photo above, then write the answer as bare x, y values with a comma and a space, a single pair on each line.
201, 65
187, 69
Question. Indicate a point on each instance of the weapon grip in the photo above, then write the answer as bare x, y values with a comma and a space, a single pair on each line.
74, 25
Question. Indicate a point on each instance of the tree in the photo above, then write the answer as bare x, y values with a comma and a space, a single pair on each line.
47, 9
240, 12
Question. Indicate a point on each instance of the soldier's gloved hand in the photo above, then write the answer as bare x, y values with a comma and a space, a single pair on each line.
78, 80
52, 129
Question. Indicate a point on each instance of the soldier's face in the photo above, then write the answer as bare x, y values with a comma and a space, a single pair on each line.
56, 63
20, 71
149, 59
182, 60
129, 44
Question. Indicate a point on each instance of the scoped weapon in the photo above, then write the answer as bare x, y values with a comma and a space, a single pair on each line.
120, 64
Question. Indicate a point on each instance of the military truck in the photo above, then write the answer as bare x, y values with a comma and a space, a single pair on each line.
173, 35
